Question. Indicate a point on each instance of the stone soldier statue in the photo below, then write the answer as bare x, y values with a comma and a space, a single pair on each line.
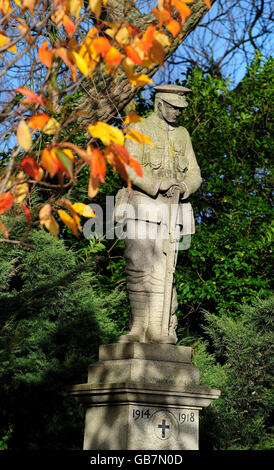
154, 208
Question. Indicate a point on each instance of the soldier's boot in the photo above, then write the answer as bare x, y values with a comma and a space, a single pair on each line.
154, 333
139, 313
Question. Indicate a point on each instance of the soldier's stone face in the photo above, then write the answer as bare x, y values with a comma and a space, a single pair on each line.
169, 112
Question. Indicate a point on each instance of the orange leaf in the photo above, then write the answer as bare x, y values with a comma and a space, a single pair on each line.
69, 25
98, 165
137, 136
38, 121
133, 55
147, 40
113, 57
161, 15
102, 45
4, 230
121, 151
6, 201
93, 186
64, 55
45, 54
26, 212
136, 166
174, 27
132, 118
208, 3
50, 162
182, 8
31, 97
31, 168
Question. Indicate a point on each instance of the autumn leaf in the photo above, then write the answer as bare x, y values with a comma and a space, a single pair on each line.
208, 3
20, 191
81, 63
26, 212
65, 57
68, 221
106, 133
102, 45
113, 57
139, 79
83, 209
147, 39
182, 8
29, 5
23, 134
51, 127
38, 121
69, 25
74, 7
4, 230
132, 53
5, 7
4, 41
45, 55
6, 201
66, 160
98, 165
31, 167
50, 162
161, 15
93, 186
136, 166
132, 118
96, 8
31, 97
174, 27
137, 136
48, 220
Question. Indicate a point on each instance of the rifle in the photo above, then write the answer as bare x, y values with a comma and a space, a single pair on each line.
172, 252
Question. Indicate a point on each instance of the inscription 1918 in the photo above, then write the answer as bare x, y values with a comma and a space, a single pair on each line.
186, 418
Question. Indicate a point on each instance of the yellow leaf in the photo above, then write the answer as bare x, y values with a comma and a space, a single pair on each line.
139, 79
138, 137
106, 133
81, 63
24, 139
96, 8
51, 127
132, 118
83, 209
162, 39
18, 3
74, 6
68, 221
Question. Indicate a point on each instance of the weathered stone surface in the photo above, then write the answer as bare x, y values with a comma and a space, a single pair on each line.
145, 401
159, 352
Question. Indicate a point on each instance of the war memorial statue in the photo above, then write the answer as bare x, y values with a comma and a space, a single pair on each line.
144, 393
155, 216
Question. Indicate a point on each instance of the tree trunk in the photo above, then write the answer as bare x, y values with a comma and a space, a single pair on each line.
106, 95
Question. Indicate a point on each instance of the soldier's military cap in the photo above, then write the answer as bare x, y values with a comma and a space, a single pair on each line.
173, 94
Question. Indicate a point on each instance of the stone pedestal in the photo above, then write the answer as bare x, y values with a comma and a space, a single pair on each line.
143, 397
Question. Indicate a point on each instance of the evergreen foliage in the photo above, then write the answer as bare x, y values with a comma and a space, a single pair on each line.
241, 366
52, 322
